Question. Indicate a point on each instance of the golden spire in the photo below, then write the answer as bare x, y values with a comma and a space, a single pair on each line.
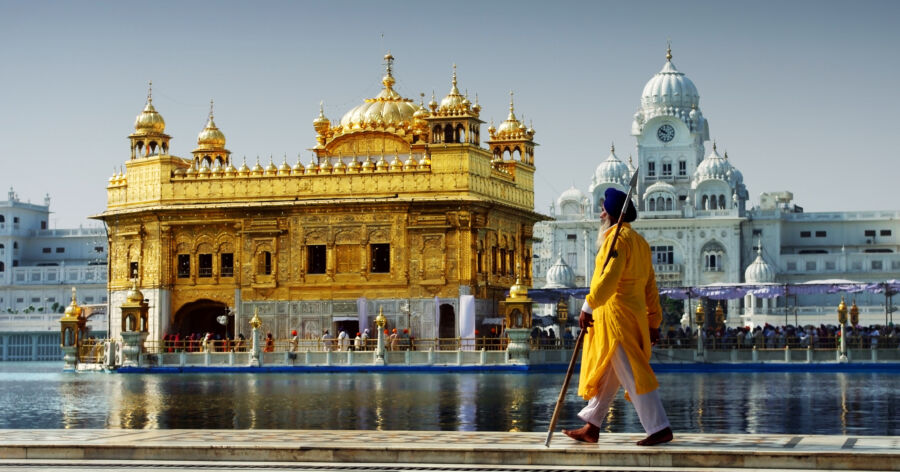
453, 89
210, 110
512, 116
150, 93
388, 79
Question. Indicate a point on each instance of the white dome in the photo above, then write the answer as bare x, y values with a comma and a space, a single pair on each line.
560, 275
670, 88
612, 170
759, 271
571, 195
716, 167
660, 187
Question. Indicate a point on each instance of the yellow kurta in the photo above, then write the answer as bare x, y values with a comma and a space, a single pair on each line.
625, 302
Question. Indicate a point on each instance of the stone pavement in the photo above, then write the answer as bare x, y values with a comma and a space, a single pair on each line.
96, 449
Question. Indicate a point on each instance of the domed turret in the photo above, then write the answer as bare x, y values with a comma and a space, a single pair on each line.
759, 271
149, 131
571, 203
560, 275
511, 128
612, 170
670, 88
716, 167
388, 110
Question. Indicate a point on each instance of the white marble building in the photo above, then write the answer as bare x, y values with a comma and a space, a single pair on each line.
693, 213
39, 266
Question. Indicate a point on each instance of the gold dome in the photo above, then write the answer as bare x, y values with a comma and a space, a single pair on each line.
312, 167
368, 165
73, 311
271, 169
340, 167
298, 167
149, 121
512, 127
396, 165
244, 170
321, 124
387, 110
284, 168
518, 290
211, 137
134, 296
454, 101
410, 163
381, 165
257, 169
354, 166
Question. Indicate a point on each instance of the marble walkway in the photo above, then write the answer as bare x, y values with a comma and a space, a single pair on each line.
95, 449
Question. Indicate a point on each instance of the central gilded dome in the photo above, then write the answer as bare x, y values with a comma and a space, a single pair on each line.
387, 110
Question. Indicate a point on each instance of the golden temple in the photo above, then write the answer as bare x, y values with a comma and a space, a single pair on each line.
400, 207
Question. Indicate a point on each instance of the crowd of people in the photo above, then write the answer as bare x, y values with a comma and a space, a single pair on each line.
778, 337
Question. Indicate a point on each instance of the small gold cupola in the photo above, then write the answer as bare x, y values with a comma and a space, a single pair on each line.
211, 145
149, 137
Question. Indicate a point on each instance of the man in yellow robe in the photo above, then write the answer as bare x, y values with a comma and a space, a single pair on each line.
621, 315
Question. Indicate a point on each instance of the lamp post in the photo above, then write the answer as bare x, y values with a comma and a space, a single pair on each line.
842, 320
701, 319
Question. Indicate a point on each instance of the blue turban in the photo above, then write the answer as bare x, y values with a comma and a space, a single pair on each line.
613, 202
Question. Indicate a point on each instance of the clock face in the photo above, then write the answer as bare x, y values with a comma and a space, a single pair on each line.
665, 133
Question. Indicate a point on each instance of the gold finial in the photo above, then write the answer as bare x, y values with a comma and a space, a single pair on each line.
73, 296
255, 322
388, 79
210, 109
150, 93
669, 51
454, 75
510, 102
380, 320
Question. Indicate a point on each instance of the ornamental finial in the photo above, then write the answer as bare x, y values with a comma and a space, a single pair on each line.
150, 93
612, 148
669, 50
454, 75
210, 109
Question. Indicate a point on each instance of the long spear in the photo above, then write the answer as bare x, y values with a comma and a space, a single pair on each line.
562, 393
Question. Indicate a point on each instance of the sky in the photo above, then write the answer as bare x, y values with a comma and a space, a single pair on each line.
802, 94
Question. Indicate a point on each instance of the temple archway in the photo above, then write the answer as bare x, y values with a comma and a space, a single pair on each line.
199, 317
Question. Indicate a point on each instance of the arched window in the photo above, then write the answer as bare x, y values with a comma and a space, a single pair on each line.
705, 203
2, 246
15, 245
2, 219
460, 134
448, 134
660, 204
264, 263
652, 204
713, 203
436, 134
668, 204
722, 202
2, 266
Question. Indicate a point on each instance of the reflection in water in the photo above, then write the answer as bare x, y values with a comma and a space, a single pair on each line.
37, 395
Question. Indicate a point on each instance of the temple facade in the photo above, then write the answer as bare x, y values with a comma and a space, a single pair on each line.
400, 208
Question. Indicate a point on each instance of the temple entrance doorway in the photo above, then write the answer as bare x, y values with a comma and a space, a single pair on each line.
447, 323
199, 317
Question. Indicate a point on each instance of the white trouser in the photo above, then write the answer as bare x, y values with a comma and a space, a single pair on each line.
649, 406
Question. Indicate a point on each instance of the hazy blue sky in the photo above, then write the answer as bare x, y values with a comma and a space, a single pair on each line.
803, 95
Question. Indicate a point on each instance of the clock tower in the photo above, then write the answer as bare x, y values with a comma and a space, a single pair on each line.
670, 131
